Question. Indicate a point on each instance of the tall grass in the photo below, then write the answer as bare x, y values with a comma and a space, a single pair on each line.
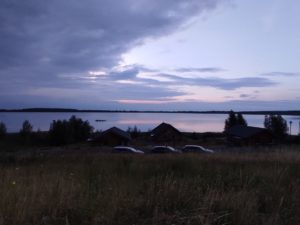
242, 189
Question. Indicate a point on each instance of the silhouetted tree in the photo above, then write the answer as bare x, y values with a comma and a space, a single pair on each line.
26, 129
230, 121
59, 132
25, 133
277, 125
234, 119
80, 130
240, 120
2, 130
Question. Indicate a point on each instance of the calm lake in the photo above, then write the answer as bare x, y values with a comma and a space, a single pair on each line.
144, 121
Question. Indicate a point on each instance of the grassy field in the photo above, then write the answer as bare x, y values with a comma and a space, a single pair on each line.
227, 188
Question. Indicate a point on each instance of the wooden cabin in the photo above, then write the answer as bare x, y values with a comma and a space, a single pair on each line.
113, 137
165, 134
247, 135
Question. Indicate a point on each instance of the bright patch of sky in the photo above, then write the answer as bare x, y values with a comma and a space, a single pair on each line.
245, 39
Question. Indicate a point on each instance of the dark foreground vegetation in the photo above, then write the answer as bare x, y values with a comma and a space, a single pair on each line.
241, 189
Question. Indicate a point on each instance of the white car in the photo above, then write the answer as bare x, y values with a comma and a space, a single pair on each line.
126, 149
164, 149
196, 148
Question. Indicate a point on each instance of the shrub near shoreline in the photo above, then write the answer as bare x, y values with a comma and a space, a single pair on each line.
238, 189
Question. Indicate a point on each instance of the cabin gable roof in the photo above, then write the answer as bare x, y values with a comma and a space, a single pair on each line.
118, 132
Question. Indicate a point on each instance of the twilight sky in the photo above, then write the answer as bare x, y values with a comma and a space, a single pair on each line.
150, 54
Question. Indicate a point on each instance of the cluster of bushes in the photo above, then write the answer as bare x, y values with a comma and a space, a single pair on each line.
134, 132
71, 131
61, 132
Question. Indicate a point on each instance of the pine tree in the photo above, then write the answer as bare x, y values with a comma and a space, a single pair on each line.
26, 128
230, 121
277, 125
241, 120
234, 119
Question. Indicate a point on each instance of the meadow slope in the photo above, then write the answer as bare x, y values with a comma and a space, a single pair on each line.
222, 188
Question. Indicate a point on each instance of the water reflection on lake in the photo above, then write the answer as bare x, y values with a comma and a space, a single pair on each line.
144, 121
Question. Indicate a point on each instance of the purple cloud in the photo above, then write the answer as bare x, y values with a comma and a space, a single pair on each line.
281, 74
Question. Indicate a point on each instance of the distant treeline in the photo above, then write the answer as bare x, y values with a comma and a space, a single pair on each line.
281, 112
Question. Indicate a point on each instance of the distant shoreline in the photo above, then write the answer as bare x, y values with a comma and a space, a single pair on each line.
62, 110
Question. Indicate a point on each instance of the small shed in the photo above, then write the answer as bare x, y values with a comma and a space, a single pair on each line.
165, 134
247, 135
113, 136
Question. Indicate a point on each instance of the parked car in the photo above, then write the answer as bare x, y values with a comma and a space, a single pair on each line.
164, 149
126, 149
196, 148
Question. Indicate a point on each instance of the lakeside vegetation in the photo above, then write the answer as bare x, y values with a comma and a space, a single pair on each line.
238, 189
75, 130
